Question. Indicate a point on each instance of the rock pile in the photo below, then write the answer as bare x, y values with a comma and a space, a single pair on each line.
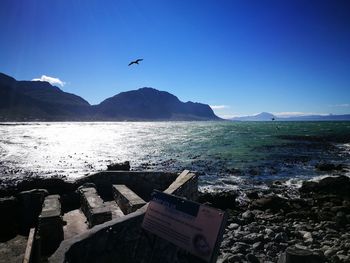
312, 228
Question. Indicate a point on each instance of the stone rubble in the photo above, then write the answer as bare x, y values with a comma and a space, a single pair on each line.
312, 228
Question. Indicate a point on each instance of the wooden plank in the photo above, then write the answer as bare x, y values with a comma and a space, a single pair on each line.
28, 253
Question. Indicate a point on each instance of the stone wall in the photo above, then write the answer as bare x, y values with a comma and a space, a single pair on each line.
123, 239
142, 183
20, 204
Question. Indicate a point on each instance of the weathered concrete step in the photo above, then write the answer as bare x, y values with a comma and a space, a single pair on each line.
126, 199
93, 207
115, 209
76, 223
50, 225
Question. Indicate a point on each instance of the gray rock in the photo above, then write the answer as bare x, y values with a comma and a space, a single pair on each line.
226, 258
309, 241
258, 245
307, 235
297, 255
281, 237
252, 259
325, 247
233, 226
269, 232
248, 215
341, 218
329, 253
252, 238
343, 258
123, 166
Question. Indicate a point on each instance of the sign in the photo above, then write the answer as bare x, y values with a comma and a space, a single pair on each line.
194, 227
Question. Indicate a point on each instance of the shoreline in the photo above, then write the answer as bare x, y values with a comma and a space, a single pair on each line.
266, 222
263, 228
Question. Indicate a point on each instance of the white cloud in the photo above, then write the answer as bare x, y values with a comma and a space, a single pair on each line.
219, 107
286, 114
51, 80
344, 105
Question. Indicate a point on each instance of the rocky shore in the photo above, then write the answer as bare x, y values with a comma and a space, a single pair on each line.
275, 224
271, 226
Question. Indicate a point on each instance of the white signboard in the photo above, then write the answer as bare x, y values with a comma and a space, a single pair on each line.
194, 227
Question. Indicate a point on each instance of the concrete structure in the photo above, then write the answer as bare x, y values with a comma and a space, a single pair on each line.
50, 230
121, 239
126, 199
124, 240
93, 206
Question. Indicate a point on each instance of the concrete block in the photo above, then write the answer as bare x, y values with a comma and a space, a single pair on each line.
93, 207
126, 199
50, 225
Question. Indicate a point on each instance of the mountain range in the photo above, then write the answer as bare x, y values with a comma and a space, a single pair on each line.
265, 116
40, 101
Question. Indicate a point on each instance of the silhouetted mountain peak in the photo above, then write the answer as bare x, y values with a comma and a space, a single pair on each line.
38, 100
152, 104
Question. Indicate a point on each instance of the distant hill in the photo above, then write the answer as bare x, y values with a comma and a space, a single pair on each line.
152, 104
330, 117
265, 116
37, 100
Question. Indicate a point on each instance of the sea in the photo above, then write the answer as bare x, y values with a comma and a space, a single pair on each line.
226, 155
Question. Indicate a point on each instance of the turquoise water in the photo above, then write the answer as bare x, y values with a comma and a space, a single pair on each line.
224, 154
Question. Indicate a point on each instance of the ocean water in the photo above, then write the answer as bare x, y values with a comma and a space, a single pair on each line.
226, 155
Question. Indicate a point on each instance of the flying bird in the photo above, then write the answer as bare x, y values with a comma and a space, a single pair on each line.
135, 62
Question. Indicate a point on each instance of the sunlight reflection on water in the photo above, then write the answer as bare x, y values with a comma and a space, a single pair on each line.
214, 149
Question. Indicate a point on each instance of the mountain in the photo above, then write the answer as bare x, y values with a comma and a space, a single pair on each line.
152, 104
37, 100
330, 117
265, 116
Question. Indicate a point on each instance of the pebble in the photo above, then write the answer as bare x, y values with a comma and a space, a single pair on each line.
233, 226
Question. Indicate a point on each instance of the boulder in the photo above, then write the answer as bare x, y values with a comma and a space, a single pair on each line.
327, 167
123, 166
273, 202
298, 255
338, 185
222, 200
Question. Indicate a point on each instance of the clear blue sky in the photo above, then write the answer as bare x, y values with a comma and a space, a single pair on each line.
241, 56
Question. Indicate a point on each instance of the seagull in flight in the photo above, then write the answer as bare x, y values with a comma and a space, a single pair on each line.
135, 62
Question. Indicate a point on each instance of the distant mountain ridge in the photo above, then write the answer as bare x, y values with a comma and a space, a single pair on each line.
36, 100
265, 116
149, 103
